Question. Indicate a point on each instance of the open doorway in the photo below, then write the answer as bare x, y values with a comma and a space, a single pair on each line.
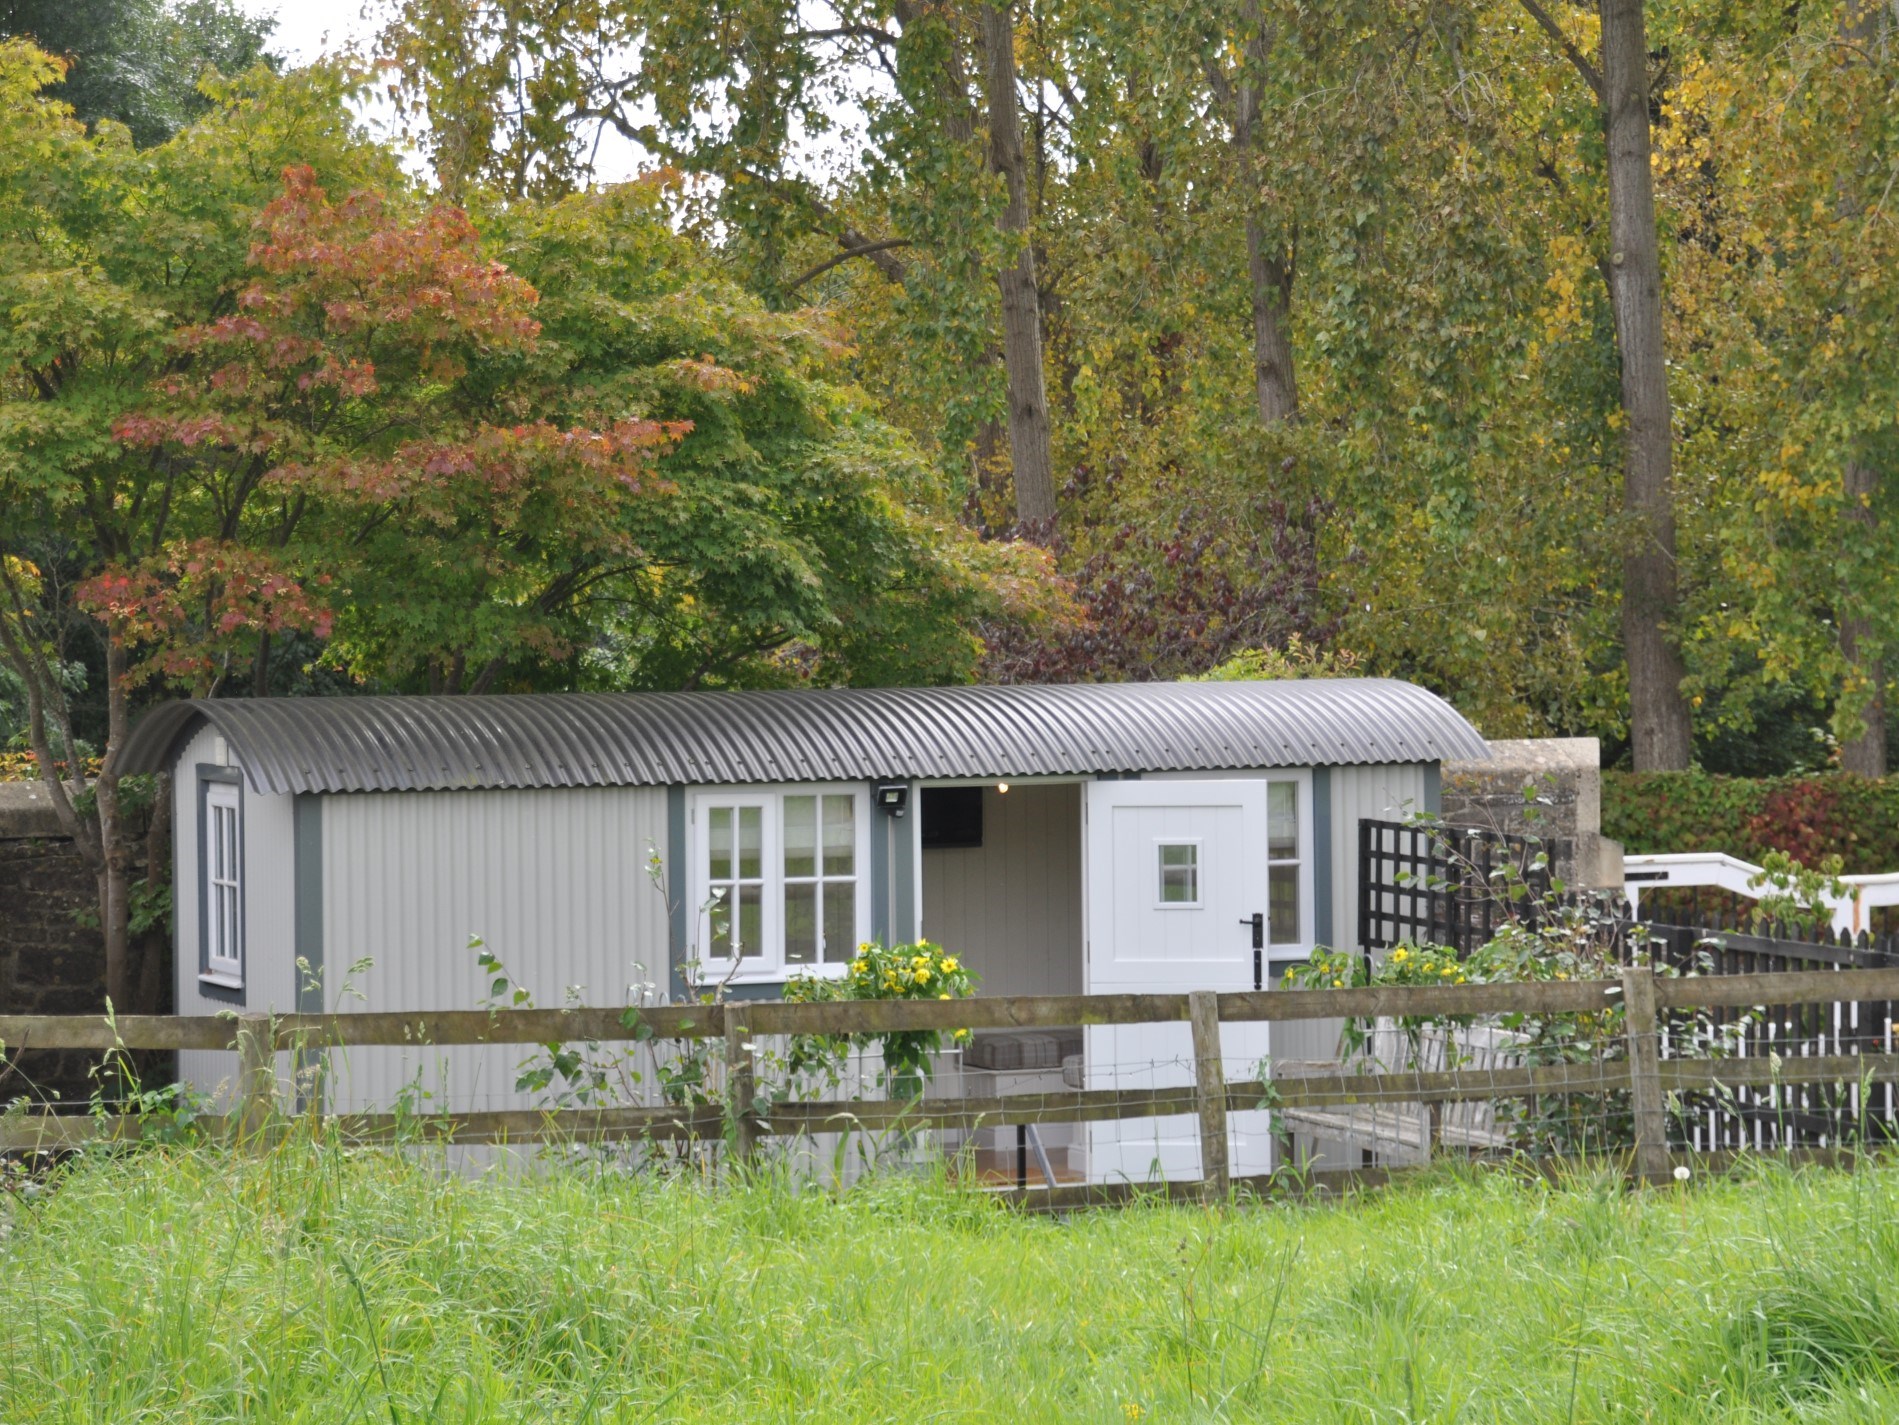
1002, 890
1001, 874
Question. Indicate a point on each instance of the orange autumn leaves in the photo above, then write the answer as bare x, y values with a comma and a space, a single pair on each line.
376, 367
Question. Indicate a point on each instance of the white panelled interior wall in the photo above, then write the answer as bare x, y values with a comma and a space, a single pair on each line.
554, 882
1011, 907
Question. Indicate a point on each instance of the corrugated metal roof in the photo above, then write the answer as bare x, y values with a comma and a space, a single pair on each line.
813, 734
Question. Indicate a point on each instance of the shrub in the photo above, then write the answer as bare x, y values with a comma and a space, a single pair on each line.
918, 971
1807, 818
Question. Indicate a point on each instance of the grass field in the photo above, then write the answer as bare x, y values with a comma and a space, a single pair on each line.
315, 1285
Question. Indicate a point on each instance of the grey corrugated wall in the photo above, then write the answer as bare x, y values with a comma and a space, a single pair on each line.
1383, 793
269, 906
555, 882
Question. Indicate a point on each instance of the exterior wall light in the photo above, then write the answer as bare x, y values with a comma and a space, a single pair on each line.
893, 797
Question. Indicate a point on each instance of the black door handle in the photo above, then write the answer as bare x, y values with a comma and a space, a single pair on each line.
1257, 921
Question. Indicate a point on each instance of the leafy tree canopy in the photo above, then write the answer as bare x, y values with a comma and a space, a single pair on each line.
139, 62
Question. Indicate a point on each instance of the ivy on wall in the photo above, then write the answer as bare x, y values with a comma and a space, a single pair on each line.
1809, 817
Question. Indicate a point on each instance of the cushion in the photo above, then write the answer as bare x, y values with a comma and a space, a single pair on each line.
1015, 1050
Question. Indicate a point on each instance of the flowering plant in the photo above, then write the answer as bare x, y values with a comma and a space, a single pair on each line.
922, 970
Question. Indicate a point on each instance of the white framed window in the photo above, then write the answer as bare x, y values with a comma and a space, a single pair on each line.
780, 880
222, 858
1285, 864
1177, 875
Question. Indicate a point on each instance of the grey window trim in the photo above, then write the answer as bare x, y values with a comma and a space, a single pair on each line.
207, 774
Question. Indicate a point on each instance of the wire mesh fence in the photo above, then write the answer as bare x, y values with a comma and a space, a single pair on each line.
1037, 1094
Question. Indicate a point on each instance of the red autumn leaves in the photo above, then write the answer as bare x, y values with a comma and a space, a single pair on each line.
375, 365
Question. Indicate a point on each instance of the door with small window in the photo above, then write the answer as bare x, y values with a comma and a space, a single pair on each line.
1191, 885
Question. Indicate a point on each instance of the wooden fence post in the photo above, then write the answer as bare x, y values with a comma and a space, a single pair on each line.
1645, 1079
741, 1086
1209, 1092
256, 1078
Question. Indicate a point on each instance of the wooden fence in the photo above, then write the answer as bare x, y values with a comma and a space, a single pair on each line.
1650, 1080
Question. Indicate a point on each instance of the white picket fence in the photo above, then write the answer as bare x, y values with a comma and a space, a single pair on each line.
1715, 870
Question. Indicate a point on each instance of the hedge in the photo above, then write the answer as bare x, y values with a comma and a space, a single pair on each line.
1807, 817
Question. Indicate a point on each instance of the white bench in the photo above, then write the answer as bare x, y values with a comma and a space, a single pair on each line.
1396, 1132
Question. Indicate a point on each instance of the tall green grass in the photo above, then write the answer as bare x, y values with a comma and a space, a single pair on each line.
321, 1285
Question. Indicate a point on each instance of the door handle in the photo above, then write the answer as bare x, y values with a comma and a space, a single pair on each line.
1257, 921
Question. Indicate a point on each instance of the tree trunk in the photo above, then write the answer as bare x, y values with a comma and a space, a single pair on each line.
260, 668
1859, 479
153, 993
1268, 263
1658, 713
1273, 379
1866, 753
114, 873
1021, 302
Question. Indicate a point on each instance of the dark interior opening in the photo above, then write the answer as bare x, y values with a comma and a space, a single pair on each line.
952, 817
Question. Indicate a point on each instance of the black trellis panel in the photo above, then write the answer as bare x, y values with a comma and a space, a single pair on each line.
1445, 885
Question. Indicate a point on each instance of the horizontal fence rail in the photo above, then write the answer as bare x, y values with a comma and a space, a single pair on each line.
1650, 1078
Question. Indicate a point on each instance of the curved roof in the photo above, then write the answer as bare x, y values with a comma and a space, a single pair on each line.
812, 734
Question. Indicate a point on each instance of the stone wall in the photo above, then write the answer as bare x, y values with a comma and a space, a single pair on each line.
1563, 780
49, 962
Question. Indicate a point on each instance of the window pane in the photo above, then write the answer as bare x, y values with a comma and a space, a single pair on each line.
801, 924
1282, 820
801, 836
1282, 900
719, 843
230, 843
751, 921
840, 836
1180, 874
751, 842
840, 921
720, 914
230, 940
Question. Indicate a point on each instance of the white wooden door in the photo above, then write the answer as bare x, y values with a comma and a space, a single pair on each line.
1175, 873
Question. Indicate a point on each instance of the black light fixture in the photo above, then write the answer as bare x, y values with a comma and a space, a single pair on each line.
893, 797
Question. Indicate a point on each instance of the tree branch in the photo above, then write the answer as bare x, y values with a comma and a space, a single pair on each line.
1591, 75
867, 250
850, 32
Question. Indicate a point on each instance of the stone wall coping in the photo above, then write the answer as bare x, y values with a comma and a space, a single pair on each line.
27, 814
1533, 754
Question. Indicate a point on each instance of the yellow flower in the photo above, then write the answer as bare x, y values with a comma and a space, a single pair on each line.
922, 977
950, 965
1338, 984
946, 995
1400, 955
1448, 971
1460, 979
919, 960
